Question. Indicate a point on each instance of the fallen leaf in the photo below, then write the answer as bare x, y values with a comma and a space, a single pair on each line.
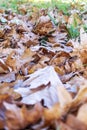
10, 77
81, 115
34, 81
18, 118
74, 123
3, 67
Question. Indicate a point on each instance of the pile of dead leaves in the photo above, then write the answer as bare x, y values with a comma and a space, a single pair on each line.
43, 73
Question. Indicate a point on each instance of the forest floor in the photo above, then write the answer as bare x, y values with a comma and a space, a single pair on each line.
43, 65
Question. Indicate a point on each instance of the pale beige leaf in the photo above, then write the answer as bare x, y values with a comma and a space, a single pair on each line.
82, 113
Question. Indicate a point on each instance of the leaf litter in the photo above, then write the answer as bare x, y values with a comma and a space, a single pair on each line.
43, 70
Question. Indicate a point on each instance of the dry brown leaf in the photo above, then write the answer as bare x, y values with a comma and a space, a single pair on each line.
10, 77
64, 97
18, 118
49, 94
1, 124
3, 67
52, 92
58, 37
74, 123
22, 9
82, 114
43, 28
64, 126
5, 97
12, 61
52, 114
81, 97
27, 55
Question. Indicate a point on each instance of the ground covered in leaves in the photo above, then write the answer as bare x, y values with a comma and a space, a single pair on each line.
43, 69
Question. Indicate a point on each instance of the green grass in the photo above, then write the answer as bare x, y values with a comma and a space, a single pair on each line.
58, 3
73, 32
13, 4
